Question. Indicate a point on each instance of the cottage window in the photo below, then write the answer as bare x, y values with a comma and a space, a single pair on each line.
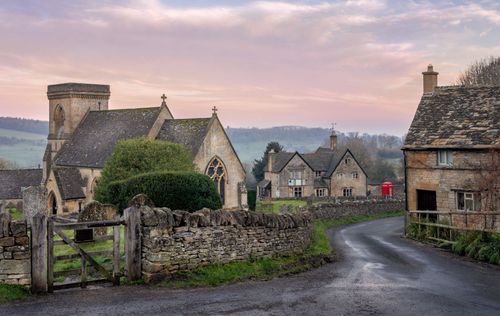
468, 201
320, 192
444, 157
354, 175
340, 175
347, 161
318, 173
297, 192
347, 192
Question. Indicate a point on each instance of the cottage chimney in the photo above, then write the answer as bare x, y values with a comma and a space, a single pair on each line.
333, 140
270, 160
430, 79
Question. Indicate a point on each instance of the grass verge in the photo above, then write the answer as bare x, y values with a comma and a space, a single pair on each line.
318, 253
10, 293
274, 206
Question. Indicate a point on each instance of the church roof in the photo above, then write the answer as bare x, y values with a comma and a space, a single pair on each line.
12, 182
456, 117
189, 132
95, 138
70, 183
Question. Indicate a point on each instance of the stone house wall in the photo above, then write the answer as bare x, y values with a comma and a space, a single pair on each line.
174, 241
15, 258
467, 173
343, 178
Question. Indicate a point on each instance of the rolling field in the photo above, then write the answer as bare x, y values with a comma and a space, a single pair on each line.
28, 153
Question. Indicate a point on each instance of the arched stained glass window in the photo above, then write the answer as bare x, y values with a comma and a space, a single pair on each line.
217, 172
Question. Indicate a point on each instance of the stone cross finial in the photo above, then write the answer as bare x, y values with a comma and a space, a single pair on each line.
214, 109
164, 97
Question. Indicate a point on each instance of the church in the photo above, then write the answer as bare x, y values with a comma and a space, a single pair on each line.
83, 133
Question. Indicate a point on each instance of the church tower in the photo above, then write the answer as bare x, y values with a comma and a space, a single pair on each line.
68, 104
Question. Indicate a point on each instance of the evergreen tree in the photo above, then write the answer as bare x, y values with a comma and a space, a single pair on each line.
259, 166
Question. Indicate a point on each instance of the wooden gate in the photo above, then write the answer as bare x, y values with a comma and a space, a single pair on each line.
85, 255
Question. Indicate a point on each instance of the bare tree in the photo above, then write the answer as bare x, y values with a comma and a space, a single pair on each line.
489, 182
7, 165
483, 72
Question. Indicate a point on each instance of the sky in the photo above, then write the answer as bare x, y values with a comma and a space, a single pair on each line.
261, 63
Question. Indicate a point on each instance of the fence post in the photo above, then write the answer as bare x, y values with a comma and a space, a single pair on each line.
39, 254
133, 243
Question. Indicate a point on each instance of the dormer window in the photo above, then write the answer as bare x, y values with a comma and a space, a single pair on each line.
444, 157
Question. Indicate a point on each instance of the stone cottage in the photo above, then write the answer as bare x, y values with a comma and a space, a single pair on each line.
83, 133
12, 183
452, 149
326, 172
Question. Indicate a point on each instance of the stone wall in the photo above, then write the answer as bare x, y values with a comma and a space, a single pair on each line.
174, 241
15, 259
343, 209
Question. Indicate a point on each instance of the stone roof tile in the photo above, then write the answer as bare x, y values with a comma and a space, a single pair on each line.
189, 132
12, 182
70, 183
457, 117
95, 138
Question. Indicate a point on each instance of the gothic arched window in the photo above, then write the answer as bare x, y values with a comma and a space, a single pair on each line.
59, 121
52, 201
217, 172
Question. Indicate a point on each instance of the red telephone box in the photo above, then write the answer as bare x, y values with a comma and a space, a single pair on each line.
387, 189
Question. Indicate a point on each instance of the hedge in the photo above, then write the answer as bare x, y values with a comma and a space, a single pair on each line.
188, 191
138, 156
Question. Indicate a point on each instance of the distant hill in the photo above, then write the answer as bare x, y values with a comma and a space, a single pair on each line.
25, 125
23, 141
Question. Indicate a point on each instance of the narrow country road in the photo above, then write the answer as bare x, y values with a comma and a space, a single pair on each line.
379, 274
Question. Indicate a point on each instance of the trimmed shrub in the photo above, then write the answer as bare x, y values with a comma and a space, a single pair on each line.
188, 191
137, 156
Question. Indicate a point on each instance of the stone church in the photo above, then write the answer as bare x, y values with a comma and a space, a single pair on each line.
83, 133
326, 172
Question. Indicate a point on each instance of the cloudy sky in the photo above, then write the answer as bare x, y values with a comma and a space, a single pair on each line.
263, 63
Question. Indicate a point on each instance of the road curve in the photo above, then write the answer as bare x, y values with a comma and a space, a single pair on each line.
378, 274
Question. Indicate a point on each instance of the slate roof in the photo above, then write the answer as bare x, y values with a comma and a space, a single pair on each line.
95, 138
324, 159
70, 183
11, 182
264, 184
189, 132
78, 87
457, 117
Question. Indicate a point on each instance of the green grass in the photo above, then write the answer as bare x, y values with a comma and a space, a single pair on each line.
66, 265
274, 206
16, 215
10, 293
268, 268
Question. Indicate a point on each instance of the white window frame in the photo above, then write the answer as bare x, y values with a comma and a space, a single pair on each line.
317, 173
347, 192
355, 175
444, 157
320, 192
471, 201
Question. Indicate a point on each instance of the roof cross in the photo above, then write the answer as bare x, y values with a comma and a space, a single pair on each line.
214, 109
164, 97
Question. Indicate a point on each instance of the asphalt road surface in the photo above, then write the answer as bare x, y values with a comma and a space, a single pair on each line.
378, 274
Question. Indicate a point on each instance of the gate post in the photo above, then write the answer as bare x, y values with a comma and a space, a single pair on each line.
39, 253
133, 243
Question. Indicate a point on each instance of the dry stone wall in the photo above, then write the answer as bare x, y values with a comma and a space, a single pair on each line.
15, 258
343, 209
174, 241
